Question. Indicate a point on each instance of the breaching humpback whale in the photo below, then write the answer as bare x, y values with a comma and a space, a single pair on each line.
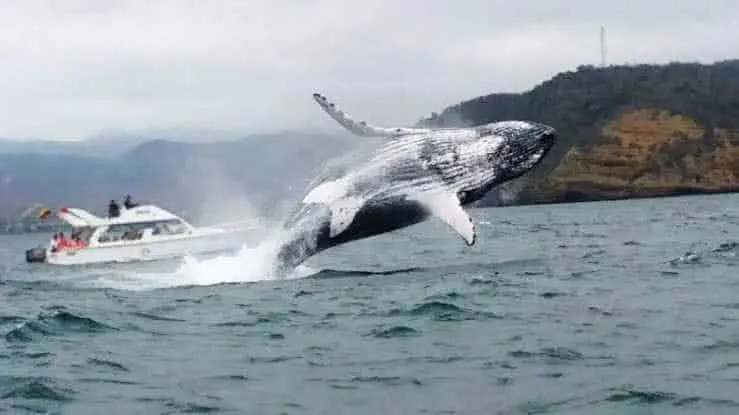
416, 174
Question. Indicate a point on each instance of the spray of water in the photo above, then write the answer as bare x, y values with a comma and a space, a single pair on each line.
248, 264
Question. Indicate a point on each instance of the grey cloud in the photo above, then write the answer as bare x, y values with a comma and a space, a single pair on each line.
74, 67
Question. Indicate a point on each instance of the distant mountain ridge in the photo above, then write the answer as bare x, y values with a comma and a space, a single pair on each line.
257, 171
112, 143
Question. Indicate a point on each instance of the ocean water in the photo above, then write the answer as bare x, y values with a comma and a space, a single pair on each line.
592, 308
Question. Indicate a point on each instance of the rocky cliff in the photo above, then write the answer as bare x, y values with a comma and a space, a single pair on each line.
625, 131
644, 153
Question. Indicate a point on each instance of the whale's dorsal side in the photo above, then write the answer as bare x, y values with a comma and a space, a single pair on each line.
362, 128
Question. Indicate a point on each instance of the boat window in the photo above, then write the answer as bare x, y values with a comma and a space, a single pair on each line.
134, 231
122, 232
114, 233
82, 233
169, 227
174, 227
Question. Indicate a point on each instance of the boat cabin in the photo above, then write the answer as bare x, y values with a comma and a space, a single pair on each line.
140, 223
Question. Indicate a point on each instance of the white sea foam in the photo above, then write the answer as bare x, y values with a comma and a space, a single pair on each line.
248, 264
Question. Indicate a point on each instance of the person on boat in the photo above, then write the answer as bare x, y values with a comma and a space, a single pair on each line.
128, 203
76, 240
113, 209
62, 242
54, 243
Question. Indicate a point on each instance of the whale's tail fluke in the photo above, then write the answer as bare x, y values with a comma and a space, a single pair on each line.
361, 128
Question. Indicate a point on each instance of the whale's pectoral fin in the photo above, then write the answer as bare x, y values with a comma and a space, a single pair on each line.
361, 128
446, 206
343, 212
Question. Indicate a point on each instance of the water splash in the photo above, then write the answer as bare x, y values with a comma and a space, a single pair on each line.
248, 264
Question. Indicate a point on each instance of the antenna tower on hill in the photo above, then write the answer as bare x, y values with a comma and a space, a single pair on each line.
603, 46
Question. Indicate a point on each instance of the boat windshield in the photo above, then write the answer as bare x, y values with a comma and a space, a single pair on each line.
82, 233
135, 231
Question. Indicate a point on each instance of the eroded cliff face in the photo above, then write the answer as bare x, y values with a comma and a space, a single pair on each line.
644, 153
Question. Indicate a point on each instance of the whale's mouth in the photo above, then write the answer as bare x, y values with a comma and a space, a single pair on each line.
547, 140
549, 137
533, 152
519, 155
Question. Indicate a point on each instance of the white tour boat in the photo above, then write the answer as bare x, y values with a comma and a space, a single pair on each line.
142, 233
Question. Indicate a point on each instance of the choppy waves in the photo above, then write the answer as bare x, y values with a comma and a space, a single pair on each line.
568, 309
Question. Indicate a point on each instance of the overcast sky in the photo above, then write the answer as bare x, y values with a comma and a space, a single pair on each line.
73, 68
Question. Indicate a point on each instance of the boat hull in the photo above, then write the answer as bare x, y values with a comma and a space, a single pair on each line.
144, 250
